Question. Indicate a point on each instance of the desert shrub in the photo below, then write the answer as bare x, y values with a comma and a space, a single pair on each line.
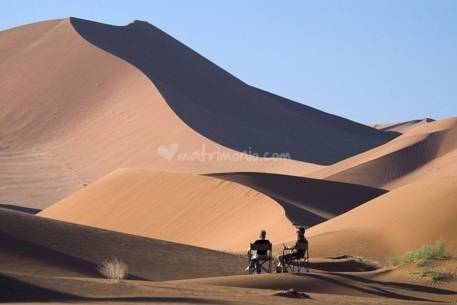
113, 269
436, 274
436, 250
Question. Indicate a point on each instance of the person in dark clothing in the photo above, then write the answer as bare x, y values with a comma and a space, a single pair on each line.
255, 255
296, 252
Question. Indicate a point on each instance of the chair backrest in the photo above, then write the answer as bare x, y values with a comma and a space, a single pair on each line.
261, 247
301, 246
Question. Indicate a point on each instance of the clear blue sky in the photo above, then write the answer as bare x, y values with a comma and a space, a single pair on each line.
370, 61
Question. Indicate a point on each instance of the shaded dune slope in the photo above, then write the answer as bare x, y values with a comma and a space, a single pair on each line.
49, 247
341, 284
184, 208
421, 152
224, 109
396, 222
306, 201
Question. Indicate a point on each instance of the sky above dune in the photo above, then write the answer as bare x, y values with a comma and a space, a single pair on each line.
370, 61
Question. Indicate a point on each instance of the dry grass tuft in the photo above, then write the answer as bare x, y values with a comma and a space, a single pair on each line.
113, 269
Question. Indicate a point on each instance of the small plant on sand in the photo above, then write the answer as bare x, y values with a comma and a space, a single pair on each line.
113, 269
436, 274
436, 250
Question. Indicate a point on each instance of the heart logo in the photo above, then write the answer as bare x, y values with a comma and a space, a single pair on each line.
167, 152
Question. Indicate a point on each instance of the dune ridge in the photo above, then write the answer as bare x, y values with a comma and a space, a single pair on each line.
306, 201
184, 208
402, 127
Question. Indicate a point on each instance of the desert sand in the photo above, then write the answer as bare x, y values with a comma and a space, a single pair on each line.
306, 201
184, 208
48, 247
424, 151
403, 219
138, 148
88, 111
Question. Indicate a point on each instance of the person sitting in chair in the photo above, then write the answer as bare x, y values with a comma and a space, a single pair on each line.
253, 258
296, 252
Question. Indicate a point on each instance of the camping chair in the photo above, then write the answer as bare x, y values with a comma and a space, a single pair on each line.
257, 263
297, 263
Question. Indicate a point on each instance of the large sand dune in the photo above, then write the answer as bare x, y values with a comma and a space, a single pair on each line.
74, 92
75, 113
401, 220
185, 208
223, 108
427, 150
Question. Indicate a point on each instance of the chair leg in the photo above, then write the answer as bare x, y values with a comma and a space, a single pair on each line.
307, 261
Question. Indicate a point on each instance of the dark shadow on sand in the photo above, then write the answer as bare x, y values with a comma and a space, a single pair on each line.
375, 291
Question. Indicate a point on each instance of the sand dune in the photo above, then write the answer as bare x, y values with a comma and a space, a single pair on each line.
190, 209
401, 220
358, 290
306, 201
419, 153
32, 244
92, 105
223, 108
85, 113
367, 284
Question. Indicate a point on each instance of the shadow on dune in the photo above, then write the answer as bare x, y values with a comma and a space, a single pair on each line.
306, 201
14, 290
19, 208
226, 110
76, 246
377, 289
407, 286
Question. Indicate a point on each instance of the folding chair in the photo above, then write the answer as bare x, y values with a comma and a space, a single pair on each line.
297, 263
257, 263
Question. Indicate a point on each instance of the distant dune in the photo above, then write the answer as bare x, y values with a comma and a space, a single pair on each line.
401, 220
185, 208
306, 201
428, 150
402, 127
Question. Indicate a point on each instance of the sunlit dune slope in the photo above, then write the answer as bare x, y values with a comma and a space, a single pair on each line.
401, 220
190, 209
